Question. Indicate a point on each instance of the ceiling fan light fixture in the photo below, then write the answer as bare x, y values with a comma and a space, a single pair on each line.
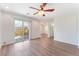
41, 12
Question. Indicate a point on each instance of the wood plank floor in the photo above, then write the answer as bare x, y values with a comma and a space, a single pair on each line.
39, 47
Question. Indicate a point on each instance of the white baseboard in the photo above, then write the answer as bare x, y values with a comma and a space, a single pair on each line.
66, 42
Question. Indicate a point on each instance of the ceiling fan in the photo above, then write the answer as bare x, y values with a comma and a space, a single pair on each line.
42, 10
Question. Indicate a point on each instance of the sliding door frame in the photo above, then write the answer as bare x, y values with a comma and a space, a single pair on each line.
29, 27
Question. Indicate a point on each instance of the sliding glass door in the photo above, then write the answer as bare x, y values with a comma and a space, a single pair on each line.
26, 29
21, 30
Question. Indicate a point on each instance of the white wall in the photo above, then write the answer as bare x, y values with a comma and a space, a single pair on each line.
65, 24
65, 29
7, 28
78, 24
38, 28
0, 29
35, 29
78, 28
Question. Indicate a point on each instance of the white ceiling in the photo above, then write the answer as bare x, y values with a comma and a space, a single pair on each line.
23, 8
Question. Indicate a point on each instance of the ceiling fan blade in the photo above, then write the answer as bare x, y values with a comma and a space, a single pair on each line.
35, 13
49, 10
44, 4
33, 8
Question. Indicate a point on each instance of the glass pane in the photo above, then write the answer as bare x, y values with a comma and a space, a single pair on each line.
26, 30
18, 29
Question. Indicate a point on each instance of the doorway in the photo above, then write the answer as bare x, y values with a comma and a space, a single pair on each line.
51, 29
22, 29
